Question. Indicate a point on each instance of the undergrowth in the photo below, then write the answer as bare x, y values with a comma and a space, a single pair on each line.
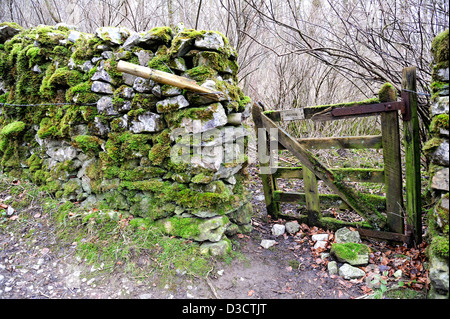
106, 240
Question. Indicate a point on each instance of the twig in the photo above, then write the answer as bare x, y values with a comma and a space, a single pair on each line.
208, 281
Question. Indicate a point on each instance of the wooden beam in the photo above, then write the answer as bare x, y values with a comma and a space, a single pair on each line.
311, 195
170, 79
326, 200
389, 236
268, 181
412, 156
318, 112
347, 142
361, 175
392, 166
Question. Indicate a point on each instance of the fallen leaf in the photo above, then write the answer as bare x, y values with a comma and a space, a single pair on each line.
37, 215
14, 217
45, 251
3, 206
340, 294
250, 293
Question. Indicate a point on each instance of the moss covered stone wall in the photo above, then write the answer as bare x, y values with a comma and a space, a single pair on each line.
437, 150
122, 142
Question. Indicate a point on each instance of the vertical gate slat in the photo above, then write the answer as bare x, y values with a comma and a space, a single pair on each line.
412, 156
392, 167
268, 181
311, 196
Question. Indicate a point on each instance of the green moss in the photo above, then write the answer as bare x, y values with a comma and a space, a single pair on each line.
439, 47
374, 100
122, 146
201, 73
13, 129
159, 62
90, 145
81, 93
438, 122
163, 34
387, 93
34, 163
440, 246
432, 144
349, 251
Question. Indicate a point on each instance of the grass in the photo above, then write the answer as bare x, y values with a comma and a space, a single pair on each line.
103, 239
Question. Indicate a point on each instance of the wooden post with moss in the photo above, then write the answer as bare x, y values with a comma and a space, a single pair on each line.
268, 180
412, 156
392, 161
311, 196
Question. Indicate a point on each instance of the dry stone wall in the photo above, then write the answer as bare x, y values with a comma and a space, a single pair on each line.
437, 150
70, 122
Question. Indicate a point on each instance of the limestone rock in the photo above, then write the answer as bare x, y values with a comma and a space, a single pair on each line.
345, 235
112, 35
217, 119
352, 253
101, 75
440, 180
292, 227
332, 268
171, 104
210, 41
441, 155
99, 128
147, 122
219, 248
210, 229
440, 106
319, 237
102, 87
105, 106
350, 272
144, 56
62, 153
320, 244
74, 36
267, 243
278, 229
7, 31
143, 85
242, 215
439, 274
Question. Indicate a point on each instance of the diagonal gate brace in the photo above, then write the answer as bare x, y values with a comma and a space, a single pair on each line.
347, 193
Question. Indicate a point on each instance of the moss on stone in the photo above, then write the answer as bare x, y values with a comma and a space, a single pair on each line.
90, 145
349, 250
439, 47
438, 122
13, 129
432, 144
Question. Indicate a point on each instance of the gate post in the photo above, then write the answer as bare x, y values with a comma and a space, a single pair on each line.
392, 162
412, 156
268, 181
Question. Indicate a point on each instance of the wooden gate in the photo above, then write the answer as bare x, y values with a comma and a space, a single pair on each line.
399, 213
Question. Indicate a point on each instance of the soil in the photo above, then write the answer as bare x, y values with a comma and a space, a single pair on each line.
291, 269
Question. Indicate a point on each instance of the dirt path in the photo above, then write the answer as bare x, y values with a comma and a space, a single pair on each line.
34, 265
29, 269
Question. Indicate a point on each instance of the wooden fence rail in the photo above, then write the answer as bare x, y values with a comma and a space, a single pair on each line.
310, 169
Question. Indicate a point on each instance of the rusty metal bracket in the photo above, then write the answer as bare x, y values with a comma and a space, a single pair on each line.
402, 106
